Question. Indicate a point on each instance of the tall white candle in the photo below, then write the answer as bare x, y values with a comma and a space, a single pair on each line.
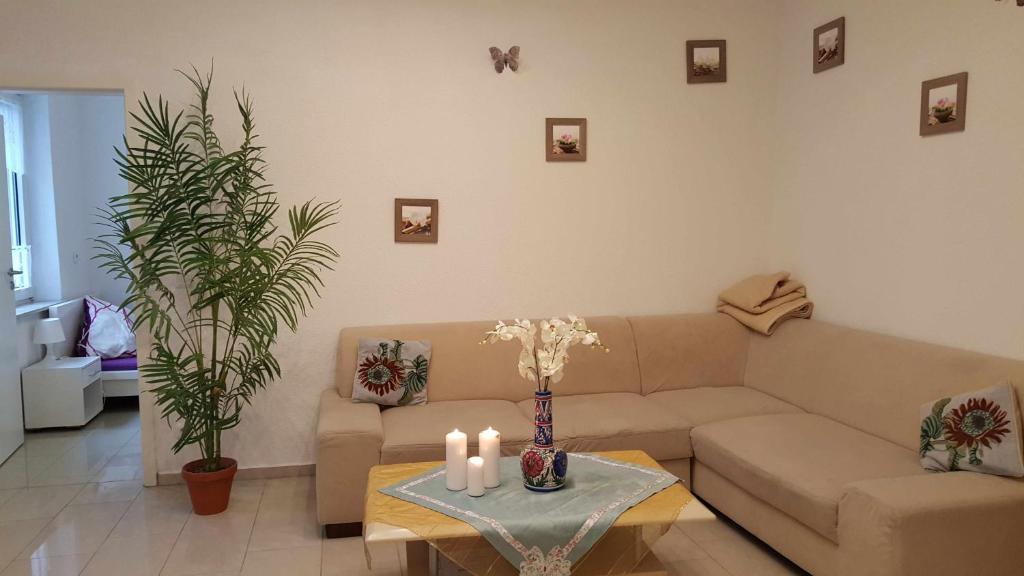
490, 451
476, 476
455, 459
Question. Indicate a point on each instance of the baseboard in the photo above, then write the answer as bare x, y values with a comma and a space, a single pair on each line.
255, 473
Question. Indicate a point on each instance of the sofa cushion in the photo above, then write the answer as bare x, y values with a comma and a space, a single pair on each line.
705, 405
106, 331
461, 369
616, 421
689, 350
870, 381
416, 433
392, 372
978, 432
799, 463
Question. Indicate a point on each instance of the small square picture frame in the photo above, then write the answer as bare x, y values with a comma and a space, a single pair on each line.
416, 220
574, 149
703, 66
829, 48
951, 116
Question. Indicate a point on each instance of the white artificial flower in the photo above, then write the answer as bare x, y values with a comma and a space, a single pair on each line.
563, 330
527, 365
546, 331
544, 363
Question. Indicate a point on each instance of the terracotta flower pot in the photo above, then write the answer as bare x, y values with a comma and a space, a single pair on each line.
209, 491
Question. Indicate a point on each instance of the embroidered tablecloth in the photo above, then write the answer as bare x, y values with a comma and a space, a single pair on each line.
542, 533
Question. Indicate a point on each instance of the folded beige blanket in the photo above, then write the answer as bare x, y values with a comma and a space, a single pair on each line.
763, 292
767, 322
764, 301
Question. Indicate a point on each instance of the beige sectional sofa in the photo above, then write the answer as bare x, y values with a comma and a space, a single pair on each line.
807, 439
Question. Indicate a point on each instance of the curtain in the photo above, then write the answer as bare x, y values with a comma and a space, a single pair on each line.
10, 109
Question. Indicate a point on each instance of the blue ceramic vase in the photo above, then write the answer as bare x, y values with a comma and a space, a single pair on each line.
544, 466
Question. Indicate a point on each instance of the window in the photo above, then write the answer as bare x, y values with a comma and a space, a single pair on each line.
10, 110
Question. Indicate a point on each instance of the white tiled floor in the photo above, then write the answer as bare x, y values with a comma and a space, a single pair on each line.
72, 502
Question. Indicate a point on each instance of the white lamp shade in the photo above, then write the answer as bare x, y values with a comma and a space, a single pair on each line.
48, 331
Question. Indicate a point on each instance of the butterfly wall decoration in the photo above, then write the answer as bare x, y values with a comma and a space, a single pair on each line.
503, 59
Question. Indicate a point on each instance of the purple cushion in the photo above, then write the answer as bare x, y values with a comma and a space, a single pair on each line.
119, 364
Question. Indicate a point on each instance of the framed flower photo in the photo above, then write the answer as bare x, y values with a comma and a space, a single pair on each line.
415, 220
944, 104
830, 45
565, 139
705, 61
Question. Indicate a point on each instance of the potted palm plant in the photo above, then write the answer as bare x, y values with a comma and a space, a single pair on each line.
211, 275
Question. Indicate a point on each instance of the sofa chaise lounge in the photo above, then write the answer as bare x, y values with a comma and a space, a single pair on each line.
808, 439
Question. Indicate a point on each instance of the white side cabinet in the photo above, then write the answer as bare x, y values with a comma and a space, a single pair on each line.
62, 393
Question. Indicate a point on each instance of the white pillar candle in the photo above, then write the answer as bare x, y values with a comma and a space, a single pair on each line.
455, 459
476, 476
490, 451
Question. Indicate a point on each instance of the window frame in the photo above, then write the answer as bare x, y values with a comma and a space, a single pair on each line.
20, 234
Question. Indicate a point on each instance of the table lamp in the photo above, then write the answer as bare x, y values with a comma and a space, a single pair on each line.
49, 332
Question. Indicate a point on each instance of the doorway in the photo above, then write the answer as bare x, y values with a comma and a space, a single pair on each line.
75, 371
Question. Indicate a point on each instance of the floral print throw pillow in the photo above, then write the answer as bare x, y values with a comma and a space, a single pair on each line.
979, 432
391, 372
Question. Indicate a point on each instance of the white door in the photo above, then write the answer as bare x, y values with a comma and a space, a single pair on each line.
12, 433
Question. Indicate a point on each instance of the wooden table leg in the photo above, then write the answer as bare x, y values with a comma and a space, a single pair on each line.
417, 556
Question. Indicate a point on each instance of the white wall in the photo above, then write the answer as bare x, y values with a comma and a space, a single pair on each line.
912, 236
27, 352
70, 174
366, 101
84, 129
39, 201
105, 120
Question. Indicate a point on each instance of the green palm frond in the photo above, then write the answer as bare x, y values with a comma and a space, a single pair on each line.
210, 273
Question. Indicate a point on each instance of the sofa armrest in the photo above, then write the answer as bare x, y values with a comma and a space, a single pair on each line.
349, 436
942, 523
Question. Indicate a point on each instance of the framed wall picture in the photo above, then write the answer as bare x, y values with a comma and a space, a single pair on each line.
565, 139
944, 104
830, 45
415, 220
705, 61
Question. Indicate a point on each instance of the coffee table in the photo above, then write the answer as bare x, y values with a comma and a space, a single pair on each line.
436, 543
